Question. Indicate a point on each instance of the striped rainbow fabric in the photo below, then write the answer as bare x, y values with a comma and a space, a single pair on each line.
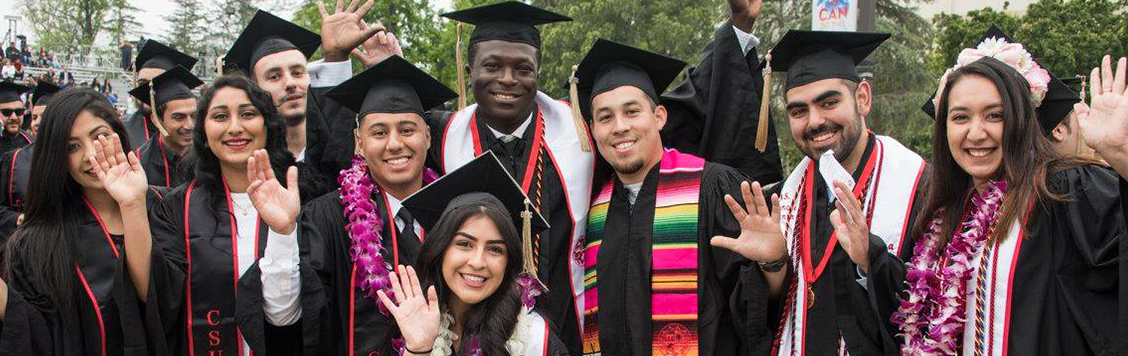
674, 258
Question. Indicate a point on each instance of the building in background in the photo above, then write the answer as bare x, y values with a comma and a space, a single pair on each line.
960, 7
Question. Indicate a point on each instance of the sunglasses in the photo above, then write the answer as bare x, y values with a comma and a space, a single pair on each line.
10, 112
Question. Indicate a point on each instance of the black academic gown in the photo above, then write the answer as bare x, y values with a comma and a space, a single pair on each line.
861, 315
557, 304
209, 270
625, 265
11, 142
14, 170
1123, 268
329, 134
715, 113
1065, 285
160, 163
139, 128
346, 317
33, 324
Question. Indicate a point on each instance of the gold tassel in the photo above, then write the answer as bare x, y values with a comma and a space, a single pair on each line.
765, 106
219, 66
577, 115
153, 106
530, 267
459, 66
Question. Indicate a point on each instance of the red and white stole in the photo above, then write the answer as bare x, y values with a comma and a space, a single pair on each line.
896, 174
563, 147
996, 276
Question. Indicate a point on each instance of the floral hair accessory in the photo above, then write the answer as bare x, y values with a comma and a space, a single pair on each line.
1013, 54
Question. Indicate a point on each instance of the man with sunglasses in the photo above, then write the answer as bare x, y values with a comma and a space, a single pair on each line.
12, 108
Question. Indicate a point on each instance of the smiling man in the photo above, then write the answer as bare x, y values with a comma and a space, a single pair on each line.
819, 264
153, 59
176, 105
12, 109
392, 142
654, 285
534, 136
16, 164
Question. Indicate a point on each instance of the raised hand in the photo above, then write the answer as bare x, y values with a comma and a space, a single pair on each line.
744, 13
1105, 124
345, 29
416, 315
378, 48
120, 173
277, 206
760, 237
850, 225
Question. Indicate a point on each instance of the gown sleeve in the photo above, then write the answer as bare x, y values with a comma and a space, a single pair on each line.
164, 308
714, 114
329, 124
1090, 222
8, 213
29, 323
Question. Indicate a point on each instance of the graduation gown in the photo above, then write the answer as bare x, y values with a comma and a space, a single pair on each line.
625, 259
14, 170
714, 113
196, 280
160, 163
846, 305
139, 128
343, 319
561, 204
1053, 279
11, 142
109, 314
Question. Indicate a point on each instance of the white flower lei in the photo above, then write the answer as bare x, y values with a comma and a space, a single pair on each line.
525, 329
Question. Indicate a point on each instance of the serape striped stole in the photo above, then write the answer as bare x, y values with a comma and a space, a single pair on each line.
673, 275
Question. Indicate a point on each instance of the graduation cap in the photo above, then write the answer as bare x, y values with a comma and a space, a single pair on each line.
482, 181
42, 93
174, 84
510, 21
1055, 106
10, 91
154, 54
392, 86
609, 65
267, 34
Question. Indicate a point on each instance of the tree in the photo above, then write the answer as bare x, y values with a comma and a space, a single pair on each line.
229, 17
1066, 37
59, 23
121, 21
186, 32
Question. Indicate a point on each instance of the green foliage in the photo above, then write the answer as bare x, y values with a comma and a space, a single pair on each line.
61, 23
187, 32
1068, 37
121, 20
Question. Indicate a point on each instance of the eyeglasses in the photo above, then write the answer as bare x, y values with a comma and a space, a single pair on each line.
10, 112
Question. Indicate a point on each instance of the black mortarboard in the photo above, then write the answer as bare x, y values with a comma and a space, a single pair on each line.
609, 65
392, 86
42, 93
510, 21
267, 34
810, 56
154, 54
174, 84
481, 181
10, 91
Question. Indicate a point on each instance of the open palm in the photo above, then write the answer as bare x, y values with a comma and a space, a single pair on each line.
417, 315
1105, 125
760, 237
344, 29
278, 206
120, 173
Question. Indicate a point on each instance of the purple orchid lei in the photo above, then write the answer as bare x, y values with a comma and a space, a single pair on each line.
932, 318
365, 226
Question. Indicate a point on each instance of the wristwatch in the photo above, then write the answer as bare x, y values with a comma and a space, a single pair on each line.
774, 266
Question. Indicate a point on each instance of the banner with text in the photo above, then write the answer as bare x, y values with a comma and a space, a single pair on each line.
834, 15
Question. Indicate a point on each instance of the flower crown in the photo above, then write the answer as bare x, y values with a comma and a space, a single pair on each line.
1013, 55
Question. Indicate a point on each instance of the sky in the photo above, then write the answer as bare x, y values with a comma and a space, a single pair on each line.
152, 11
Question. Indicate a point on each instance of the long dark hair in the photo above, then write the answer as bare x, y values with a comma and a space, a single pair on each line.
494, 319
207, 173
1028, 156
44, 242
